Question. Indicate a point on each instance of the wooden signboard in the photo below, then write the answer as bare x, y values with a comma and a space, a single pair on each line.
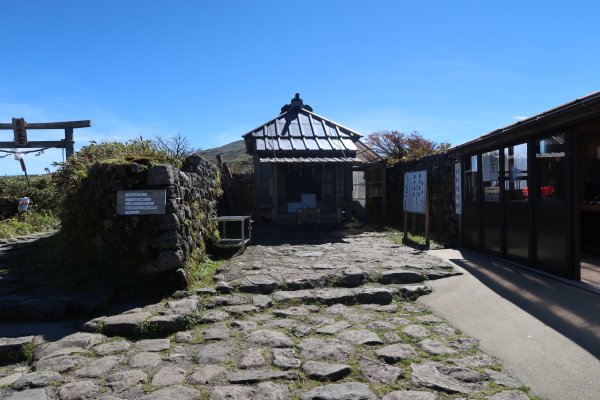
416, 200
141, 202
415, 191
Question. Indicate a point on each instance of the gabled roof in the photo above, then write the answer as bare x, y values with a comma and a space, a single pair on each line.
299, 130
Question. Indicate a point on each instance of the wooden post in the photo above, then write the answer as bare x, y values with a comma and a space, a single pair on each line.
404, 238
274, 195
69, 150
383, 192
24, 168
427, 220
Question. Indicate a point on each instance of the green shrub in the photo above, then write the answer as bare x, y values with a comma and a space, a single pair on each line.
69, 177
36, 221
43, 192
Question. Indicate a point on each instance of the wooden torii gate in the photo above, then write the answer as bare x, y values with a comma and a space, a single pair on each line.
20, 127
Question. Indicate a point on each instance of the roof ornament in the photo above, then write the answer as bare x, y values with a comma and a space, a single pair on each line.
295, 105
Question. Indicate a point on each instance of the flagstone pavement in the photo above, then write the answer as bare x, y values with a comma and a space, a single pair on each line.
319, 318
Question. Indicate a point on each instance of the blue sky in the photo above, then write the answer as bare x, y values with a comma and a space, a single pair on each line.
452, 70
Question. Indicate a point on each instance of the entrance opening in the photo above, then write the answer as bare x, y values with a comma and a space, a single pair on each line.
589, 209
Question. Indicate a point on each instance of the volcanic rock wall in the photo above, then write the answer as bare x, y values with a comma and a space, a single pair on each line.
144, 244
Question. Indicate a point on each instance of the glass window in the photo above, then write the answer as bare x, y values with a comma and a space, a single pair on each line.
490, 171
349, 144
330, 130
515, 173
285, 144
312, 144
551, 168
307, 130
324, 144
260, 144
298, 144
294, 128
318, 128
303, 119
281, 127
471, 178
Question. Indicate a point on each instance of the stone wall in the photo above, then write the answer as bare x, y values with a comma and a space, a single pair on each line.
145, 244
440, 177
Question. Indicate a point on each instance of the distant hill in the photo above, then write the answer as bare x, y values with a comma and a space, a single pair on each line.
233, 154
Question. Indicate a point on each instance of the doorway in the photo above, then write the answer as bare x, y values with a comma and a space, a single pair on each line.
589, 209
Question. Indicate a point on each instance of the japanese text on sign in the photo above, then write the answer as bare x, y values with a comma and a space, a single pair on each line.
415, 191
141, 202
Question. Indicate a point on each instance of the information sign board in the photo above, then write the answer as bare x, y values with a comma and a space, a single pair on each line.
415, 191
141, 202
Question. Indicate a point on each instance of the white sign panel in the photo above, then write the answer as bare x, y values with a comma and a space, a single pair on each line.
458, 188
415, 191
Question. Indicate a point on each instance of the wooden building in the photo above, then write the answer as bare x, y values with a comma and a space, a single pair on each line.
307, 169
531, 191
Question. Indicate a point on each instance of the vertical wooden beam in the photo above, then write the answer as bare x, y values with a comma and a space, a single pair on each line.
404, 237
383, 192
501, 181
274, 196
69, 149
462, 199
480, 199
573, 201
348, 191
257, 184
427, 219
532, 183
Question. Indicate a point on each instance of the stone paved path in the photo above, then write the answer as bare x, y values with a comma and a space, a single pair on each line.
328, 320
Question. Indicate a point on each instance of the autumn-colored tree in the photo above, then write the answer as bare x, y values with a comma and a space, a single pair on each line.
397, 146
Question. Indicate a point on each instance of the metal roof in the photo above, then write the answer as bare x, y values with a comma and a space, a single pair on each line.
366, 155
298, 129
315, 160
536, 120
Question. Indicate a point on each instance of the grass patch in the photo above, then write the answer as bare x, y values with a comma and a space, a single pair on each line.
415, 240
33, 222
29, 351
202, 271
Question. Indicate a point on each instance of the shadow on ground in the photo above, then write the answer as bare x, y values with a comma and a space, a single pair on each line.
573, 312
265, 235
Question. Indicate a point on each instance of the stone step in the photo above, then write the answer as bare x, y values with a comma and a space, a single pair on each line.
162, 321
368, 294
347, 278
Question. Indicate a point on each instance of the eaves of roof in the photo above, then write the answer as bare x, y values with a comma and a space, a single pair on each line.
563, 110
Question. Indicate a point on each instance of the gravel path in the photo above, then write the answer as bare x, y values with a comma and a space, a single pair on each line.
332, 320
